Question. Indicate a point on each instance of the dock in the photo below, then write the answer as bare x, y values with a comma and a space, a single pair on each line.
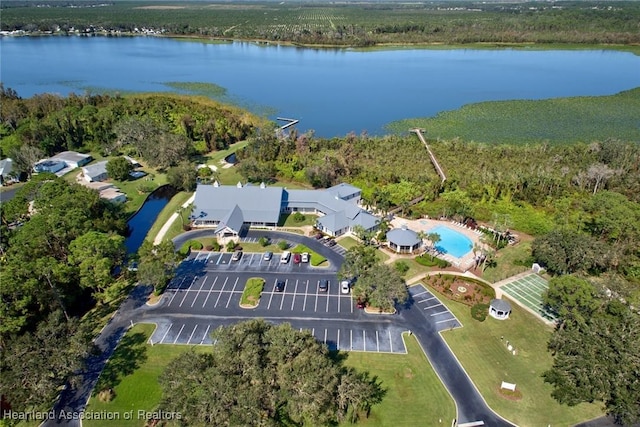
290, 122
434, 161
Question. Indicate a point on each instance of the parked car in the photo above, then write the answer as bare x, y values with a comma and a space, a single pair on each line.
323, 286
284, 258
297, 258
318, 236
345, 287
305, 257
267, 256
280, 286
331, 243
236, 256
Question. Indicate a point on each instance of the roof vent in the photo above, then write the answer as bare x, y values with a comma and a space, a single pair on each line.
239, 184
216, 183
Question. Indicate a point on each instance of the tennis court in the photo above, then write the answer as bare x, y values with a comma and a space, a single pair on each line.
528, 290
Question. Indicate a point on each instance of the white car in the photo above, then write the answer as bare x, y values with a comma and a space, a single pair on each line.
345, 287
305, 257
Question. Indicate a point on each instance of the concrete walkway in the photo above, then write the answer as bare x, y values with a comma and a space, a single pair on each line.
170, 222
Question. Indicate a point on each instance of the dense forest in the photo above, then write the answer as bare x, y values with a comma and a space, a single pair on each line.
361, 24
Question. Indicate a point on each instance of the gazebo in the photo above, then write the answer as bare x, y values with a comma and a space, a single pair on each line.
403, 240
499, 309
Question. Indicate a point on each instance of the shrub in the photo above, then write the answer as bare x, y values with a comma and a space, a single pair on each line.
298, 217
231, 245
106, 395
264, 241
480, 312
283, 244
431, 261
215, 245
402, 267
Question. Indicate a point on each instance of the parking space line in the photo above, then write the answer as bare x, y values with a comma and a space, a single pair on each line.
209, 293
275, 281
433, 306
446, 320
338, 304
232, 292
306, 291
179, 332
426, 299
187, 293
222, 290
390, 341
205, 334
197, 255
176, 290
283, 294
193, 332
208, 255
377, 342
420, 293
328, 298
364, 340
325, 336
295, 291
219, 259
165, 334
338, 341
351, 338
441, 312
351, 300
316, 307
201, 286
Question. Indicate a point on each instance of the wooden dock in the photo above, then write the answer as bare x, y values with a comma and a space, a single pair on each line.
290, 122
431, 155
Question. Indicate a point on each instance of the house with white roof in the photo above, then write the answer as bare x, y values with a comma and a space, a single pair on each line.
96, 172
232, 209
6, 169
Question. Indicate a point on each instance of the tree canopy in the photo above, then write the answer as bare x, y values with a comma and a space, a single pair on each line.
266, 375
595, 349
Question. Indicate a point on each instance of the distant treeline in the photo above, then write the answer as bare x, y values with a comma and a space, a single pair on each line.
362, 24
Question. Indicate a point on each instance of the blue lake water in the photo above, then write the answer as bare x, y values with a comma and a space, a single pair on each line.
452, 242
332, 91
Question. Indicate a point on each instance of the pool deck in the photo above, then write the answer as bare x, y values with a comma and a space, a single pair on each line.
464, 263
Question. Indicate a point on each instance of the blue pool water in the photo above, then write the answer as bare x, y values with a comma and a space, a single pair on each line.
452, 242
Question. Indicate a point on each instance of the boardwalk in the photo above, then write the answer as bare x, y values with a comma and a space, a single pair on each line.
431, 155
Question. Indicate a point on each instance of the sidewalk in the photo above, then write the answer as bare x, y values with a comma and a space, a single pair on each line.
170, 221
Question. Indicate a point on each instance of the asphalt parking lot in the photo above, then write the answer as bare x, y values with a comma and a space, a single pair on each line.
437, 313
346, 337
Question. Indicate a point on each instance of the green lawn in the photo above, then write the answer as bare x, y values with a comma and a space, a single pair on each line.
316, 259
348, 242
510, 261
415, 396
132, 372
415, 269
481, 348
176, 201
287, 220
252, 291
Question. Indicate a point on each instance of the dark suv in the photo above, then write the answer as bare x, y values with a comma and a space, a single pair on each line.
280, 286
323, 286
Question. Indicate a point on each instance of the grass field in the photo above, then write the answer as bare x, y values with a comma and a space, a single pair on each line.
415, 395
509, 262
176, 201
481, 348
133, 373
251, 293
558, 120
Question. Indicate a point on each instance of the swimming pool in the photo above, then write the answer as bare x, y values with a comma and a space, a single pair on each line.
451, 242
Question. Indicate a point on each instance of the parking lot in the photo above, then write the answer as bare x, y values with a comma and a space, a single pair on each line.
356, 337
436, 312
250, 261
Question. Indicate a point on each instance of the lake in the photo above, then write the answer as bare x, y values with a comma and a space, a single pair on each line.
332, 91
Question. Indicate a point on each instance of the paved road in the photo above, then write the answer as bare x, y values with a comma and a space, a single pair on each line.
206, 291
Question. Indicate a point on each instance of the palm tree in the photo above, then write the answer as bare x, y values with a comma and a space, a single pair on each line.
434, 238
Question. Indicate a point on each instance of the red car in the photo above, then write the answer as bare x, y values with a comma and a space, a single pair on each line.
297, 258
360, 304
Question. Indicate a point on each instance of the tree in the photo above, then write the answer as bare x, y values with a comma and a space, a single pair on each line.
365, 236
382, 287
35, 365
25, 157
434, 238
357, 260
574, 300
598, 359
157, 264
119, 168
261, 374
96, 255
183, 177
231, 245
568, 251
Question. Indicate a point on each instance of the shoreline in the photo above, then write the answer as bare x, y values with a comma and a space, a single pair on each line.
631, 48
